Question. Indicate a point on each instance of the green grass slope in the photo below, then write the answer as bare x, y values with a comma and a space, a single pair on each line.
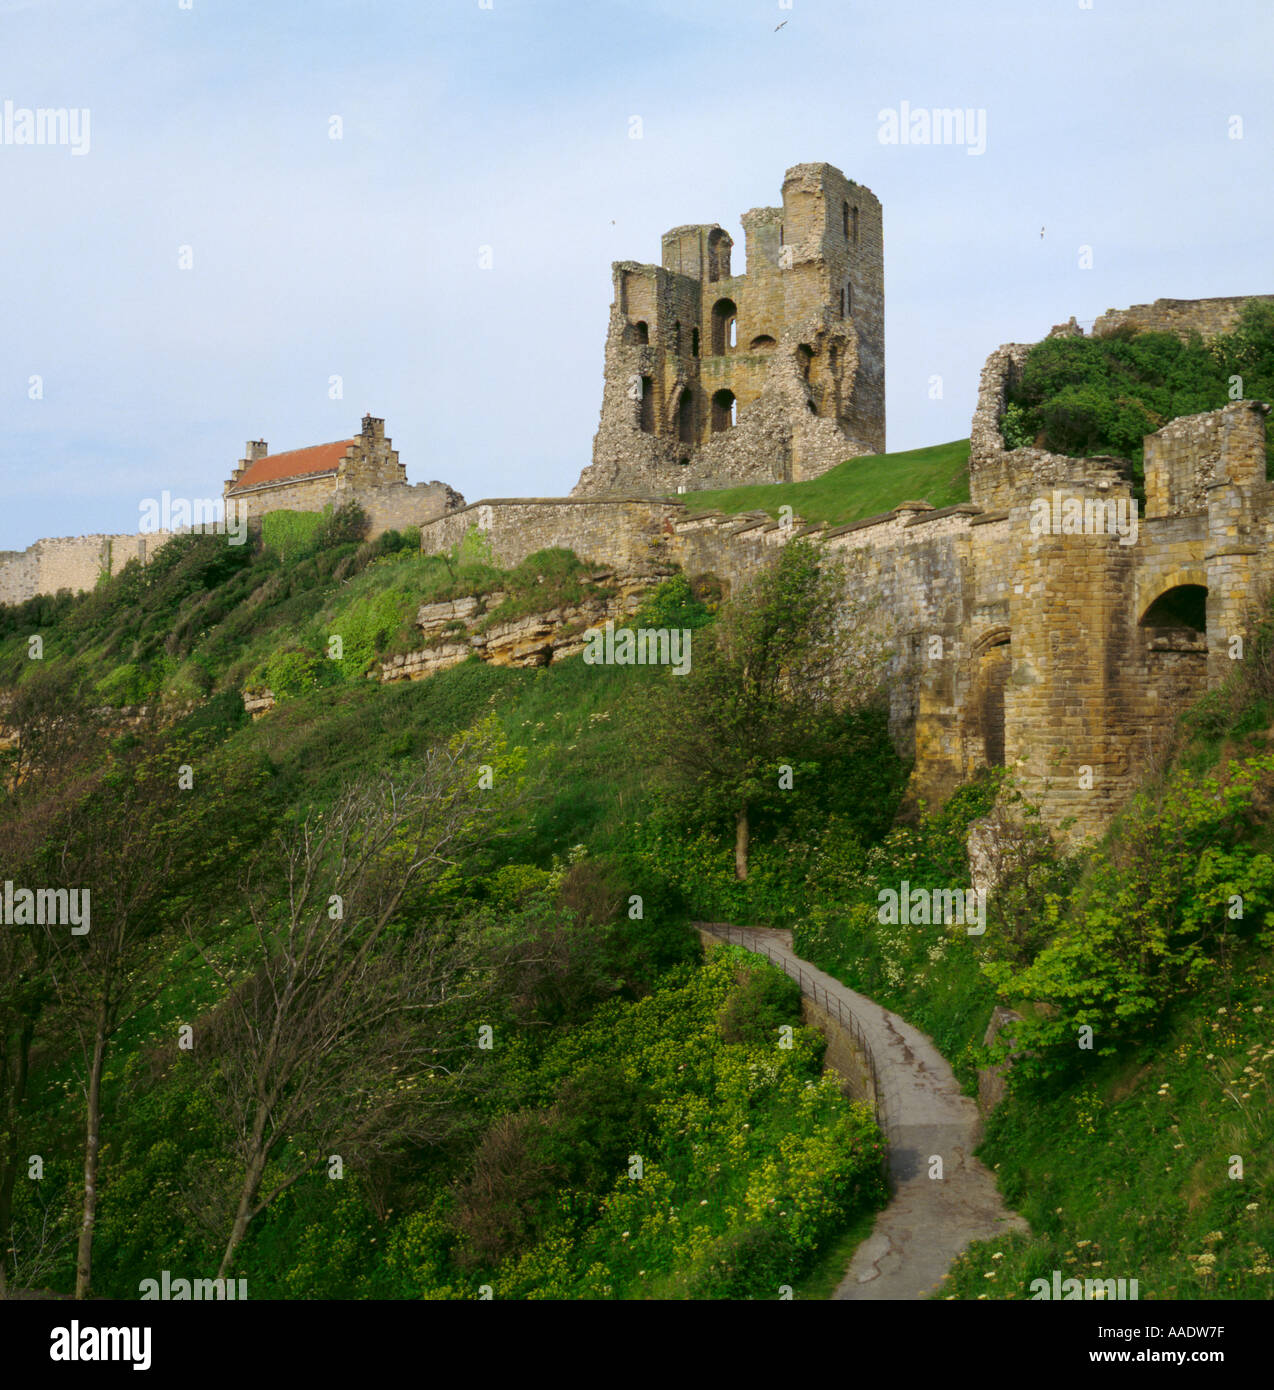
857, 488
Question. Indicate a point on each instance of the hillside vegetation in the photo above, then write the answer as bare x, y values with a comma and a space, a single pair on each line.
856, 489
534, 1081
1086, 396
481, 886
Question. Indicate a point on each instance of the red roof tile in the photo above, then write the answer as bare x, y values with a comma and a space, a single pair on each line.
296, 463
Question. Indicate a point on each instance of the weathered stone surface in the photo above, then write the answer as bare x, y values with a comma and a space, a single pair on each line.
805, 372
536, 639
1181, 316
258, 702
993, 1081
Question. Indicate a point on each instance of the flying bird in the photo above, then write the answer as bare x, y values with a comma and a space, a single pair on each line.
777, 27
1041, 233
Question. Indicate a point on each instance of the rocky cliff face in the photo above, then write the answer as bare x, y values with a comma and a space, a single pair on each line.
456, 629
460, 628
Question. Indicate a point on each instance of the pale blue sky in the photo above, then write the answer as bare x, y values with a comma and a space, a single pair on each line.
508, 127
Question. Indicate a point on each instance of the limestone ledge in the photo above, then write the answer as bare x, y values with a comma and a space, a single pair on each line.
459, 628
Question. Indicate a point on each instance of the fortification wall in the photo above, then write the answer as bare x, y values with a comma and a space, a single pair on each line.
1180, 316
301, 495
1181, 462
627, 533
393, 507
69, 562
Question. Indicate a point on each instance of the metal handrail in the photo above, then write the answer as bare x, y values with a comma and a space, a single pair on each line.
830, 1005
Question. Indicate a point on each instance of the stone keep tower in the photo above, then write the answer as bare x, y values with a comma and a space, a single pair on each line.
776, 375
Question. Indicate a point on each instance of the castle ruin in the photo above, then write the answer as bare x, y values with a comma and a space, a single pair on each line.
1063, 653
771, 376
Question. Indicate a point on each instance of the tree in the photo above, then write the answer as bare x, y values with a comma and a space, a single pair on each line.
769, 687
139, 840
49, 749
339, 1039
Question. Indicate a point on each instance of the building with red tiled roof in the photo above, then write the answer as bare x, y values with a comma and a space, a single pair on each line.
364, 469
311, 479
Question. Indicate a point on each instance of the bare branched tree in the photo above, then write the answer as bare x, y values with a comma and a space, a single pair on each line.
340, 1040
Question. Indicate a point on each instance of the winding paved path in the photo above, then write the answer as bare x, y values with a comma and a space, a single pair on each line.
923, 1114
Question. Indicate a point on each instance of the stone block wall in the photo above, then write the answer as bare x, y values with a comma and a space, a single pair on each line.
70, 562
805, 369
1180, 463
626, 533
1180, 316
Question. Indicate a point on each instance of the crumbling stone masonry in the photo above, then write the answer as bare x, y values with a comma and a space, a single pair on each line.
1064, 654
770, 376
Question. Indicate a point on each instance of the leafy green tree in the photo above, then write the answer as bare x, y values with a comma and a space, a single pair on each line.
1147, 923
769, 689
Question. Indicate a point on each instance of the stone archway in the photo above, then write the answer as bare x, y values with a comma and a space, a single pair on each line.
991, 662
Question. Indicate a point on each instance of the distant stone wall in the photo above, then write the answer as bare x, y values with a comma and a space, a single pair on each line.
404, 504
76, 562
298, 495
70, 562
1180, 316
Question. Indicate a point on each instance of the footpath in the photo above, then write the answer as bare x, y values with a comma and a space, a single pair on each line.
924, 1116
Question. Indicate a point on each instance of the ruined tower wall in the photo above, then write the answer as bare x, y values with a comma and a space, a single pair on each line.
713, 379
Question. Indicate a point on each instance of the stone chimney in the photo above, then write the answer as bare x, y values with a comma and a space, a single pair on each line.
254, 449
373, 428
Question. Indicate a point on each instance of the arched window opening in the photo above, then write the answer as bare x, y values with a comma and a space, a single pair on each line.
648, 405
844, 213
676, 335
853, 226
686, 417
832, 357
1177, 621
849, 298
763, 343
718, 256
724, 411
724, 313
694, 342
842, 303
642, 329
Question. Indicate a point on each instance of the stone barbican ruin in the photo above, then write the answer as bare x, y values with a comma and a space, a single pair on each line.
1048, 625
